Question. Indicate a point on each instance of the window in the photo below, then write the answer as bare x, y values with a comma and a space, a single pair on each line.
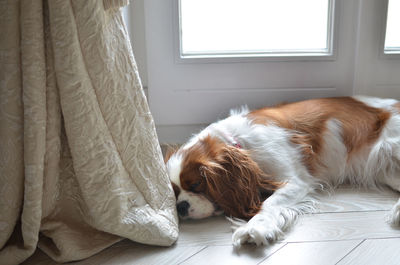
255, 28
392, 39
266, 58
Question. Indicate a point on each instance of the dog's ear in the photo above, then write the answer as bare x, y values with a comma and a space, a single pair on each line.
170, 151
236, 183
176, 189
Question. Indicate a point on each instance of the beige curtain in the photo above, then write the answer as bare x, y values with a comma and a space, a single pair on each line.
80, 164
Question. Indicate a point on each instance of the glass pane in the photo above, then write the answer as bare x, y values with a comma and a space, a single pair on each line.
392, 41
253, 26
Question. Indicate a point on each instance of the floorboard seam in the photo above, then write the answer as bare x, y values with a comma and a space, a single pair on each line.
362, 241
268, 256
193, 255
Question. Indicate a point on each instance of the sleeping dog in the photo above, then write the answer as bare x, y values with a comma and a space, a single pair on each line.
264, 166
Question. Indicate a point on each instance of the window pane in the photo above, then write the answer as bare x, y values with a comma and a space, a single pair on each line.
254, 26
392, 41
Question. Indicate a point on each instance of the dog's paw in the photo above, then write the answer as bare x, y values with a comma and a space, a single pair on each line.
257, 231
393, 218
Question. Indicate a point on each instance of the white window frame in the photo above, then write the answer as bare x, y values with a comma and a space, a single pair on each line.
376, 72
386, 53
329, 55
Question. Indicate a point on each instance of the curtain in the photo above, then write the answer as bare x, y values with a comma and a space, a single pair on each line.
80, 163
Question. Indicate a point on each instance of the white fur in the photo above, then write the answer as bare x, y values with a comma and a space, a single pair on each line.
203, 207
174, 167
271, 148
333, 158
384, 103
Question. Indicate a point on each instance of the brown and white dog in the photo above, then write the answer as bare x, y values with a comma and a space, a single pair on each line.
265, 166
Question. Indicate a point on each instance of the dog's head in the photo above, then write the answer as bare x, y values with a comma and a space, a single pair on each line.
211, 177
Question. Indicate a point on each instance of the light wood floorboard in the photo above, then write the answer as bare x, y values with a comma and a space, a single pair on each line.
348, 199
326, 253
341, 226
132, 254
349, 227
218, 255
372, 252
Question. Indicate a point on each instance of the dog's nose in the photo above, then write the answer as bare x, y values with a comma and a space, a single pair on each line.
183, 208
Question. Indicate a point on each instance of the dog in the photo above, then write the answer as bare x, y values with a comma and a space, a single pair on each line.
263, 168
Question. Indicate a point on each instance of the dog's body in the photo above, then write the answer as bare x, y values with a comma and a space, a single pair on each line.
266, 165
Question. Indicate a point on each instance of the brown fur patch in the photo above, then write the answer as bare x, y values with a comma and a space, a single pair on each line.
176, 189
360, 123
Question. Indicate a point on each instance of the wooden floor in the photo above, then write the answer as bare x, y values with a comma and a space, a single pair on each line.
349, 228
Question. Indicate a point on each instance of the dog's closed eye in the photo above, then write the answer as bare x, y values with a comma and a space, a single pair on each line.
195, 185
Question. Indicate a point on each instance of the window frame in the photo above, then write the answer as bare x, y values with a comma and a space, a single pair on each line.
330, 55
384, 53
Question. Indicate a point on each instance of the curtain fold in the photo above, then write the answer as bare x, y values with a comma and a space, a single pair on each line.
80, 163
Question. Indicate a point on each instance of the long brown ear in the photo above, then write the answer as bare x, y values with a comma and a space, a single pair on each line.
236, 183
170, 151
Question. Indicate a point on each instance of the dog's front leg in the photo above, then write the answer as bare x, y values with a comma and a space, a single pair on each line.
278, 212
